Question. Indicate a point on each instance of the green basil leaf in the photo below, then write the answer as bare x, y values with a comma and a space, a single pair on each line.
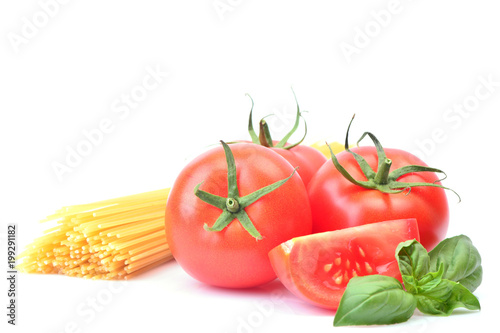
414, 263
444, 297
429, 281
374, 300
462, 262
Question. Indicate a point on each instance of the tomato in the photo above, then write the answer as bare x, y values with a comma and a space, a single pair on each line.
236, 255
337, 203
317, 267
307, 159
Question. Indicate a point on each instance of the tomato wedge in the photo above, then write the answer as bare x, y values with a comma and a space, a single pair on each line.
318, 267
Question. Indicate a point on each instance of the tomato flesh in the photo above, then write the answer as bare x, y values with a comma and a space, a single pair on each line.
318, 267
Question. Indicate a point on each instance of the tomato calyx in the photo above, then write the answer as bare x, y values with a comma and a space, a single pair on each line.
384, 180
264, 137
233, 207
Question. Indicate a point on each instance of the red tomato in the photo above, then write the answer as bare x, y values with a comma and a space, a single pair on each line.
336, 203
308, 159
318, 267
232, 257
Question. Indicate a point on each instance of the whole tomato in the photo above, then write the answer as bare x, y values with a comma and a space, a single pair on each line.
358, 188
306, 158
228, 208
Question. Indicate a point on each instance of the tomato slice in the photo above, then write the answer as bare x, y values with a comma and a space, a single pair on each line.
318, 267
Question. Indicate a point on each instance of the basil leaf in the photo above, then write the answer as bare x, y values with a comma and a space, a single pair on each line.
430, 281
414, 263
444, 297
374, 300
462, 262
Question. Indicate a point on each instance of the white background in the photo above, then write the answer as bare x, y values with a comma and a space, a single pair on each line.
64, 69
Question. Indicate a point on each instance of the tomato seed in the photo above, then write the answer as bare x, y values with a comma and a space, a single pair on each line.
337, 275
327, 267
337, 261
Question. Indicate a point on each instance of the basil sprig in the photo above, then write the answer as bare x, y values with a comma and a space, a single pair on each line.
436, 283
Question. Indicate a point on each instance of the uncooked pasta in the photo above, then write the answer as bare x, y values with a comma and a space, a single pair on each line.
111, 239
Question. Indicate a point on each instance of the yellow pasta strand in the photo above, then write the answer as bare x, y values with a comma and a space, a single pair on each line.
110, 239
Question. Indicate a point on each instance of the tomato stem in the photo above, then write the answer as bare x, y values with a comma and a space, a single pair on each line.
264, 137
251, 131
233, 207
383, 180
382, 176
264, 134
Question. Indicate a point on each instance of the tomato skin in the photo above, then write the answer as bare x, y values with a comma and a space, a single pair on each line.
308, 159
317, 267
336, 203
232, 257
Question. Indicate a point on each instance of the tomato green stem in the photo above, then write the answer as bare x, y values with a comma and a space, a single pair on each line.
233, 207
251, 131
264, 134
382, 176
264, 137
383, 180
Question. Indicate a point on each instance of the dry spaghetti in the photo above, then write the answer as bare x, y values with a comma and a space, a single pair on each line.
111, 239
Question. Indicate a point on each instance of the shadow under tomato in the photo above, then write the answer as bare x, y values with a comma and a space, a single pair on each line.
273, 291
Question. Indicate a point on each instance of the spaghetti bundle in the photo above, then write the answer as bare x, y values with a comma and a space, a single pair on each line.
111, 239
